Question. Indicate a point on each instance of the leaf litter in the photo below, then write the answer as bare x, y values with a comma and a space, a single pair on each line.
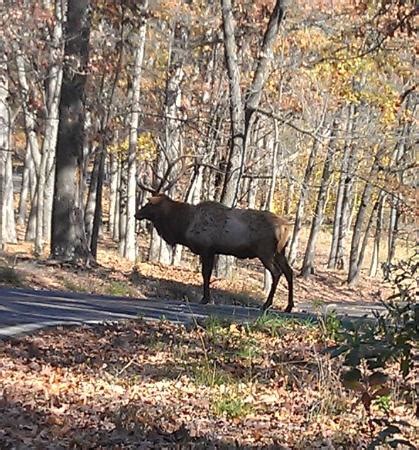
144, 384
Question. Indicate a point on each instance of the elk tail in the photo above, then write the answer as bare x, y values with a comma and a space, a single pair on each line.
282, 236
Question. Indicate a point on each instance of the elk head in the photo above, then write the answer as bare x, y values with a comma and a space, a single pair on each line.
153, 208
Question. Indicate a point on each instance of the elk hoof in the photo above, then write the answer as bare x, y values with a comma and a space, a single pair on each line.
288, 309
204, 301
265, 307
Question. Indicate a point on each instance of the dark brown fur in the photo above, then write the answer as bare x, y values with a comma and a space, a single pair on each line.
211, 228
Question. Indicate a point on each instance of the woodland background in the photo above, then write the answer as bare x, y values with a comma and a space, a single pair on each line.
304, 108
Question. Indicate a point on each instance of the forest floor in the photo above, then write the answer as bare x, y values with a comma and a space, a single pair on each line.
117, 276
142, 384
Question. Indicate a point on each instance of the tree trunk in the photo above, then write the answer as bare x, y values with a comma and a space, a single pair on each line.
89, 210
55, 76
194, 193
97, 216
393, 230
308, 264
113, 192
165, 253
299, 215
4, 145
225, 264
7, 224
8, 202
375, 258
49, 192
40, 188
31, 227
32, 140
241, 113
28, 114
338, 216
88, 153
237, 117
274, 168
68, 238
117, 216
130, 249
122, 204
363, 247
354, 257
267, 279
25, 191
395, 211
347, 208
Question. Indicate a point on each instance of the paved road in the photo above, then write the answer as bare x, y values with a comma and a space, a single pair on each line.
23, 310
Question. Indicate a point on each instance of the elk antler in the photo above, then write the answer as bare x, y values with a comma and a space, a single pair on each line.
146, 187
161, 187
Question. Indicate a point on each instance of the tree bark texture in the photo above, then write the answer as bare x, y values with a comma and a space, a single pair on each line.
25, 189
237, 117
396, 200
7, 224
308, 264
354, 257
375, 258
364, 242
89, 210
4, 146
338, 214
299, 215
68, 237
241, 112
173, 138
130, 250
113, 175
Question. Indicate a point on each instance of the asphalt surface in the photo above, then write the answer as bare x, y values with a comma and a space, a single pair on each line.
24, 311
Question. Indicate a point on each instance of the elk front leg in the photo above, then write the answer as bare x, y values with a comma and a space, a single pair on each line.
207, 262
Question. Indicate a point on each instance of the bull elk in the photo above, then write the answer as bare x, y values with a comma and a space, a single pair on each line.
211, 228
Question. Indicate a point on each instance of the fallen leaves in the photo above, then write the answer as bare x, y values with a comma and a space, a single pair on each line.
162, 385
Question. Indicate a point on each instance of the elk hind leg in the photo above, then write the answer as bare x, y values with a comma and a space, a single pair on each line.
275, 272
281, 261
207, 266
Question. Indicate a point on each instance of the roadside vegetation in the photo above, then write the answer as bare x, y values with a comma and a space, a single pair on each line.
275, 382
305, 109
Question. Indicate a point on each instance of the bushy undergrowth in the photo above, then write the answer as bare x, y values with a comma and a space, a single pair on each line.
371, 350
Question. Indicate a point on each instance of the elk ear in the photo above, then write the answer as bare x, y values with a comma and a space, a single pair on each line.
156, 199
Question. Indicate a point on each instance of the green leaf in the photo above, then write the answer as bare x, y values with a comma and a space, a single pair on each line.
377, 378
337, 351
375, 364
351, 379
353, 358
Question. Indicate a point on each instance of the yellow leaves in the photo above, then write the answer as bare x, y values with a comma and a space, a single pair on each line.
233, 329
310, 38
146, 147
355, 80
269, 398
119, 148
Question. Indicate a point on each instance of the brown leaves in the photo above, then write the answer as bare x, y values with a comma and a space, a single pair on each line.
168, 386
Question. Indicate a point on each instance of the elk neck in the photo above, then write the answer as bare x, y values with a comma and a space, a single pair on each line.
173, 221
